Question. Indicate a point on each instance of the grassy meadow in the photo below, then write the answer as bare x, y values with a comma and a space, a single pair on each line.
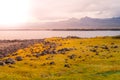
69, 58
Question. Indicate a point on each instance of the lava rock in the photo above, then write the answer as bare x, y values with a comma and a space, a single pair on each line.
10, 61
38, 55
11, 66
104, 47
19, 58
2, 63
67, 65
93, 50
63, 50
114, 47
52, 63
1, 56
72, 56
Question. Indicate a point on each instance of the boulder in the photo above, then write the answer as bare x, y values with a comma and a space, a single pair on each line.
67, 65
10, 61
114, 47
52, 63
2, 63
72, 56
19, 58
11, 66
38, 55
93, 50
63, 50
104, 47
1, 56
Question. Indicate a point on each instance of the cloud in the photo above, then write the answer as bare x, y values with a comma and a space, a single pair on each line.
63, 9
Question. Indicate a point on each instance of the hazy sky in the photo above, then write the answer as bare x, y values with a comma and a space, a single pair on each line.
47, 10
19, 11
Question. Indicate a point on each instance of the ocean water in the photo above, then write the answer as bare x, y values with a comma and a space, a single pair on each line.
11, 35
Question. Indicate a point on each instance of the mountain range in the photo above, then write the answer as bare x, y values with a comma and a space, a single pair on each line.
83, 23
73, 23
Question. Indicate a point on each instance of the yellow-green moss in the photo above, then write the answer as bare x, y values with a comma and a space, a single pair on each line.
87, 65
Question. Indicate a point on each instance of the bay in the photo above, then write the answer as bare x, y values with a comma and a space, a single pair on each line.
11, 35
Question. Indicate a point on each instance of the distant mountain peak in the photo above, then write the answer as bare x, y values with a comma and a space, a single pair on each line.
86, 17
116, 17
83, 23
73, 19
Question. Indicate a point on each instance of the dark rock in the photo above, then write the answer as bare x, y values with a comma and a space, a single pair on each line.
49, 58
11, 66
1, 56
38, 55
19, 58
10, 61
95, 46
43, 64
2, 63
112, 43
25, 63
104, 47
53, 52
72, 56
114, 51
79, 56
44, 52
87, 55
93, 50
114, 47
67, 65
111, 56
31, 65
83, 51
83, 59
63, 50
97, 53
81, 43
14, 54
52, 63
28, 56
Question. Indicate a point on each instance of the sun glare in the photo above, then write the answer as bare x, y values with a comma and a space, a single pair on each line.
14, 12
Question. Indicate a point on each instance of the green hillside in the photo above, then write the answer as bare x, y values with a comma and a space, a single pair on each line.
69, 58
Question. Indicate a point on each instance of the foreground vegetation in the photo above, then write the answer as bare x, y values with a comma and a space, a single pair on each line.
68, 58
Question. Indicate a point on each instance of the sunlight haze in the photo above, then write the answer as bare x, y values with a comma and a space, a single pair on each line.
16, 12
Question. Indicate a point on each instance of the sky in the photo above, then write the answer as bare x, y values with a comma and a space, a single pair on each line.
14, 12
55, 10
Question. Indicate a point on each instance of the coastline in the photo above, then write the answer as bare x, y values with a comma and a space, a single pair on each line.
104, 29
10, 46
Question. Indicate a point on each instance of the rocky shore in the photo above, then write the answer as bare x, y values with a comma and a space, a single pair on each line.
9, 46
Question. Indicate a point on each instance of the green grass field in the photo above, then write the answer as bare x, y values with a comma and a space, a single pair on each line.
66, 59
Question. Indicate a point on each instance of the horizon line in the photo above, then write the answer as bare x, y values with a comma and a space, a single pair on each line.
90, 29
